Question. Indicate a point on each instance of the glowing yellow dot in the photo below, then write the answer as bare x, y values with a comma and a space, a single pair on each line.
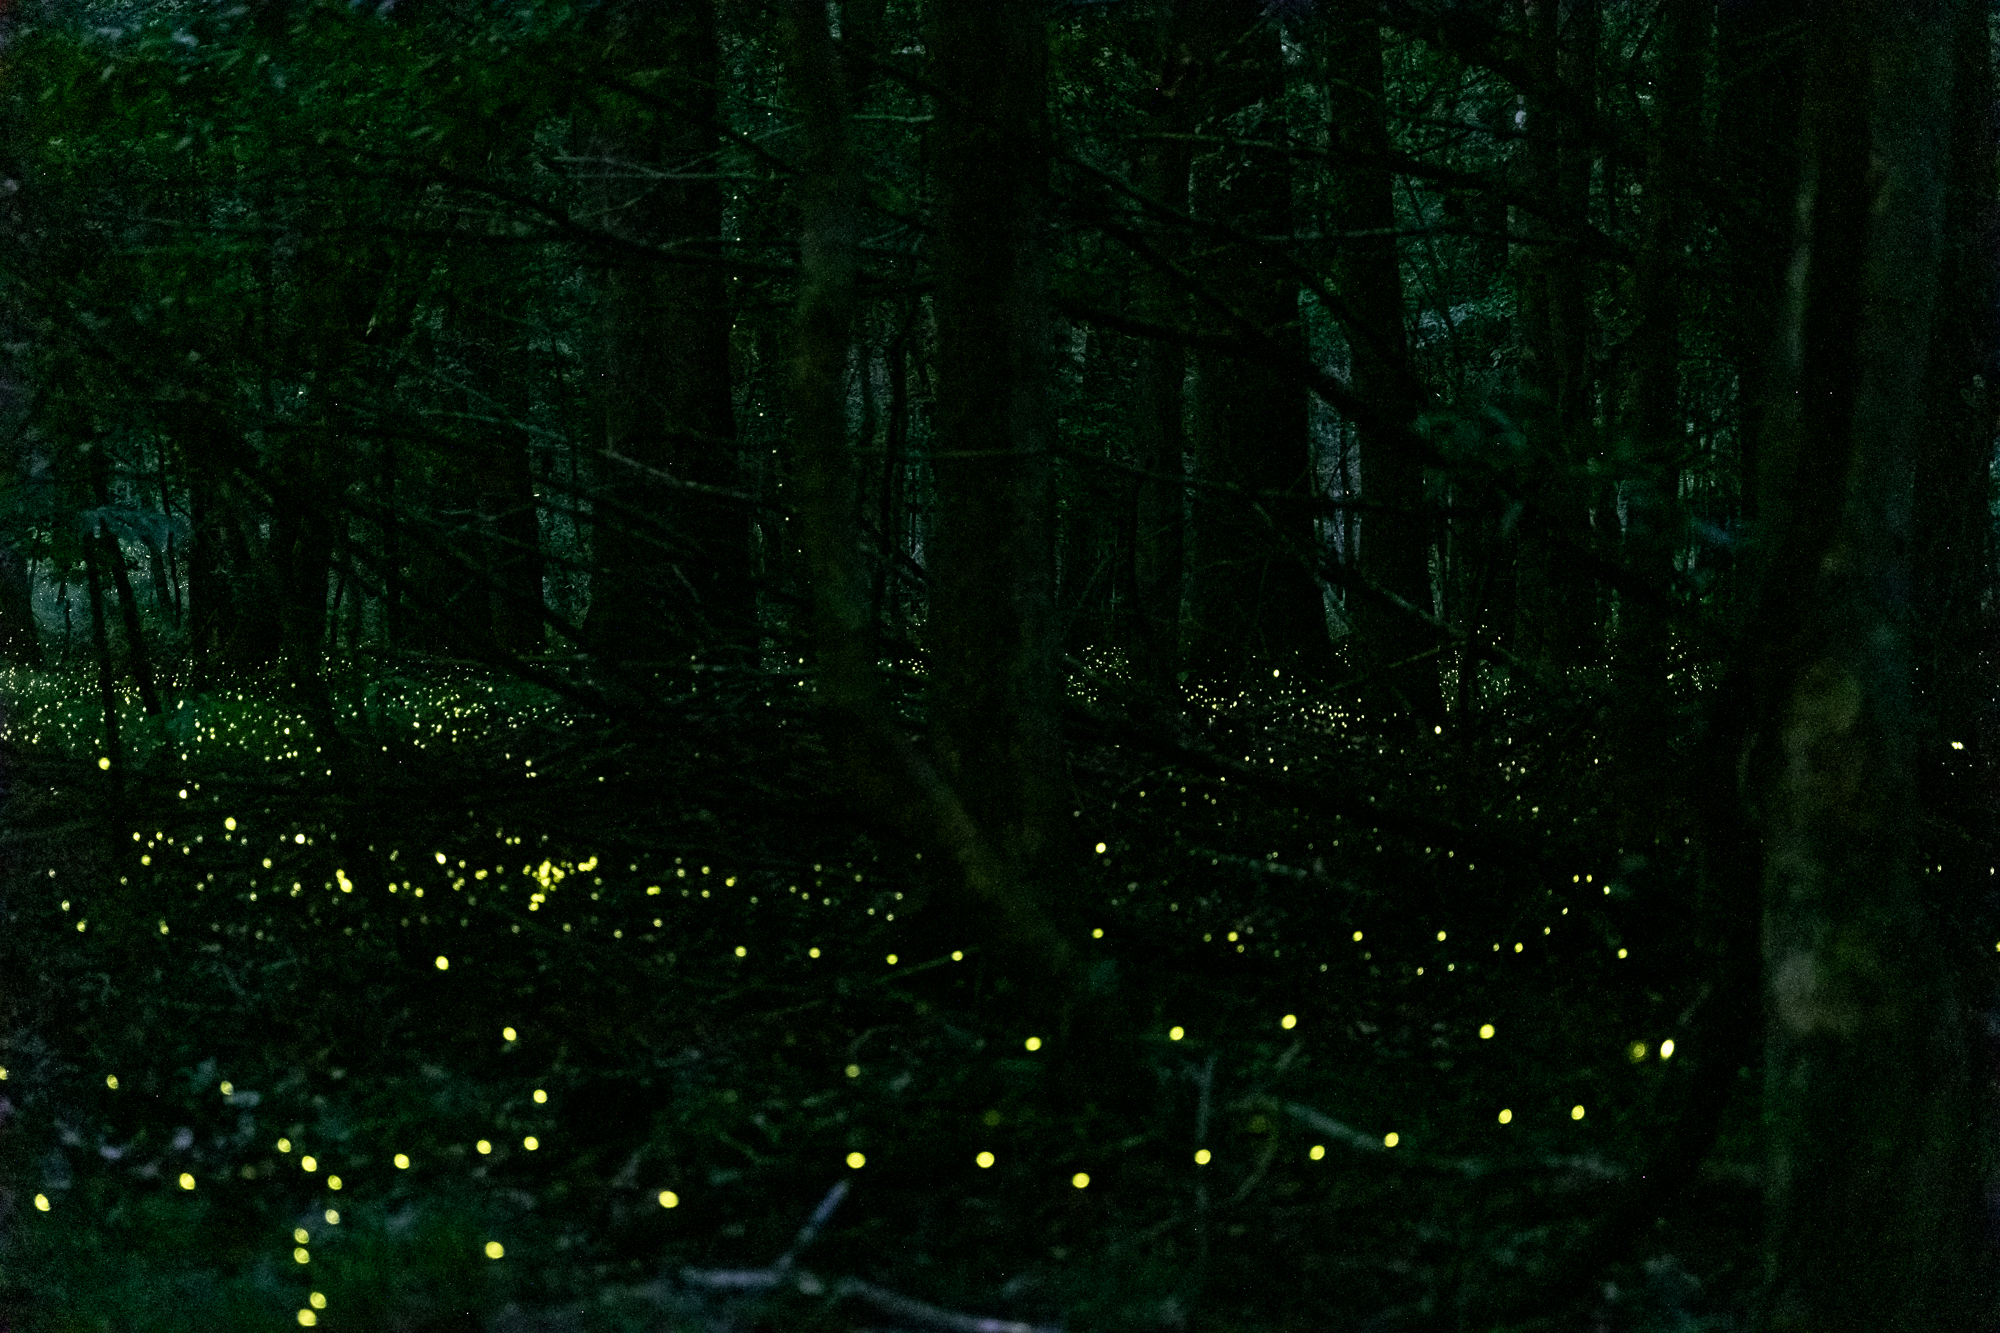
1440, 937
1485, 1031
111, 1082
854, 1071
309, 1163
41, 1203
742, 952
307, 1318
402, 1161
1576, 1112
506, 1034
1357, 937
856, 1160
1033, 1043
669, 1199
301, 1256
1176, 1033
813, 952
104, 763
985, 1159
1636, 1051
443, 963
1289, 1021
1667, 1049
1201, 1156
484, 1146
531, 1143
1621, 953
1098, 933
1317, 1151
332, 1216
1100, 849
1081, 1179
541, 1095
892, 960
495, 1250
1506, 1117
957, 955
187, 1181
1391, 1139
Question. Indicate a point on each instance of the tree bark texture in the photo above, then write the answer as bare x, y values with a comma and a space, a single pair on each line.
992, 630
1253, 599
1873, 1178
669, 423
1395, 537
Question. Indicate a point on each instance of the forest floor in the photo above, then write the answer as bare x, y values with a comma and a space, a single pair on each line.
512, 1015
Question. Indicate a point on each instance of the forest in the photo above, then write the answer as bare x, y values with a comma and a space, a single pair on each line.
1354, 640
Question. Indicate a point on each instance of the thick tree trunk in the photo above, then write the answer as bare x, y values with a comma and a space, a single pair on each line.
992, 631
1555, 599
894, 780
669, 422
1253, 598
1876, 1218
1395, 534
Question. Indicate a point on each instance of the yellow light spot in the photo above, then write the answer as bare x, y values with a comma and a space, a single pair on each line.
1637, 1051
332, 1216
1317, 1151
439, 856
669, 1199
1440, 937
892, 960
402, 1161
1576, 1112
1621, 953
1098, 933
1667, 1049
484, 1146
1201, 1156
41, 1203
531, 1143
856, 1160
307, 1318
1357, 937
1081, 1179
316, 1301
1506, 1116
1485, 1031
1176, 1033
495, 1250
187, 1181
1232, 937
1391, 1139
985, 1159
309, 1163
1288, 1022
300, 1256
957, 956
1033, 1043
230, 823
1517, 946
284, 1145
813, 952
507, 1034
741, 951
104, 763
443, 963
854, 1071
1100, 849
111, 1082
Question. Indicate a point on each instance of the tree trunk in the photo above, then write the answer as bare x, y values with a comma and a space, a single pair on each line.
1555, 599
1874, 1185
1395, 537
669, 422
1253, 598
992, 623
